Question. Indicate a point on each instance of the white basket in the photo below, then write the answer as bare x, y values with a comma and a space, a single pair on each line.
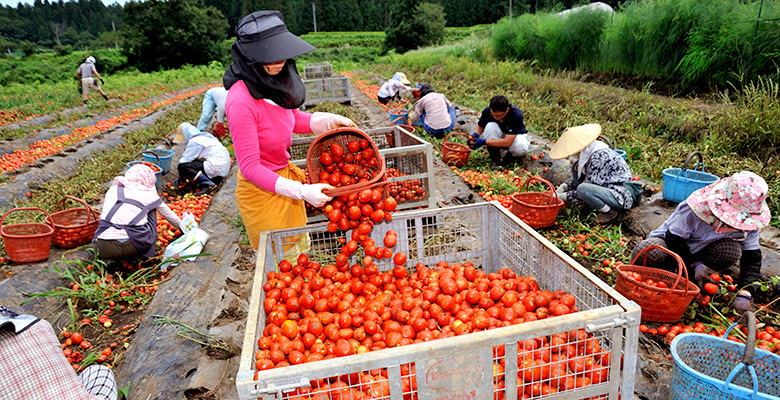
462, 366
332, 89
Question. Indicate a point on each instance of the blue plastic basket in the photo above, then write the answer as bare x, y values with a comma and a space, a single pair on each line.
679, 183
621, 153
399, 117
712, 368
157, 174
163, 156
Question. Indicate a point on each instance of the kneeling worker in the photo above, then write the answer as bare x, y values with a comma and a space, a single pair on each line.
205, 160
501, 127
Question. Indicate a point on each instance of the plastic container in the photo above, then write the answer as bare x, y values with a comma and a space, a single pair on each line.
658, 304
462, 366
399, 116
334, 89
621, 153
75, 226
711, 368
158, 156
27, 242
679, 183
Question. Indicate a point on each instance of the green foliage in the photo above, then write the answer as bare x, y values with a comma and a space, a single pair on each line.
63, 50
398, 36
28, 48
168, 34
423, 27
54, 67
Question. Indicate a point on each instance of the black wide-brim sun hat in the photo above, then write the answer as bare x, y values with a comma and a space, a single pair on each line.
263, 37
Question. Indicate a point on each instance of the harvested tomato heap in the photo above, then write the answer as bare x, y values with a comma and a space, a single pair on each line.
357, 165
405, 190
316, 312
197, 205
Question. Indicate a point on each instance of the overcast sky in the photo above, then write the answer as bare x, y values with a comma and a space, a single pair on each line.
14, 3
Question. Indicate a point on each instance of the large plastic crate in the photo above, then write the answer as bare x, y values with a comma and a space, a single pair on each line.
462, 366
333, 89
317, 70
404, 153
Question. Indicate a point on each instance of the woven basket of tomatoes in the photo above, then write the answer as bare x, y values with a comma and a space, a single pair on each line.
348, 160
663, 295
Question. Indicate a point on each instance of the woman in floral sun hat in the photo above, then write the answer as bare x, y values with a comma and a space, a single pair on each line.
716, 227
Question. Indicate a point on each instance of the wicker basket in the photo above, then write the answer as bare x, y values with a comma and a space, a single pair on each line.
75, 226
537, 209
658, 304
343, 136
27, 242
455, 154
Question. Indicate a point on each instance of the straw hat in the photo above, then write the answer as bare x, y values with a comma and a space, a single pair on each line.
179, 138
574, 139
738, 200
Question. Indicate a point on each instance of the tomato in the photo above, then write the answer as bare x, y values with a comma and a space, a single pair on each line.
390, 204
336, 150
289, 329
326, 159
710, 288
76, 338
353, 146
390, 240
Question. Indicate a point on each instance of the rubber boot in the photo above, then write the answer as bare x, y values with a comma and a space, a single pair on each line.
203, 182
495, 157
105, 97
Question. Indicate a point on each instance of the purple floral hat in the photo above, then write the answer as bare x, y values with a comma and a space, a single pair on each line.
739, 201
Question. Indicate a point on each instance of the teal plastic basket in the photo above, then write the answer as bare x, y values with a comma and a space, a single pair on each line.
160, 157
712, 368
399, 117
679, 183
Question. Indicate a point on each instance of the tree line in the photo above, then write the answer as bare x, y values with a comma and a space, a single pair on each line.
85, 24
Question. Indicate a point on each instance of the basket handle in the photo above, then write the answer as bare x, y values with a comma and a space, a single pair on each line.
550, 187
696, 166
680, 264
747, 357
605, 140
401, 118
47, 219
456, 134
147, 152
90, 211
164, 140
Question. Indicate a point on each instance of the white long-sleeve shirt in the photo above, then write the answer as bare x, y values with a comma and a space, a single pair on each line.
127, 212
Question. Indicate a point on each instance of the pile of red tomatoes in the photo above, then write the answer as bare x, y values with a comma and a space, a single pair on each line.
358, 163
405, 190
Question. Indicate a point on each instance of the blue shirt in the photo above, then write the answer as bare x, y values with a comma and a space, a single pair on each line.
698, 234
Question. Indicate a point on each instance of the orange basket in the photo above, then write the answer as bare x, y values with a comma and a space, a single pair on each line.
455, 154
343, 136
658, 304
75, 226
27, 242
537, 209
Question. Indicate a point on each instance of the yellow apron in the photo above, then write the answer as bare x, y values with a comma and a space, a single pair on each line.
262, 210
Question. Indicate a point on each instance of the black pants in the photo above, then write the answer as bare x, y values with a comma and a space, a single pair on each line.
496, 159
190, 169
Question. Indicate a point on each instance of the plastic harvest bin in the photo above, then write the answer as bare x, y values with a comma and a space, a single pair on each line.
406, 155
462, 366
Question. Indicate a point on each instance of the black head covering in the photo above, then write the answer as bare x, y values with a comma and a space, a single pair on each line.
425, 89
263, 38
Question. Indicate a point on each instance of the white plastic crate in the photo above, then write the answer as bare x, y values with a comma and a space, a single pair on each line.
333, 89
460, 367
404, 152
317, 70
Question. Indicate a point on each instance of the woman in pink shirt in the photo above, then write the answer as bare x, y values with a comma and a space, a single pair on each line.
264, 94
